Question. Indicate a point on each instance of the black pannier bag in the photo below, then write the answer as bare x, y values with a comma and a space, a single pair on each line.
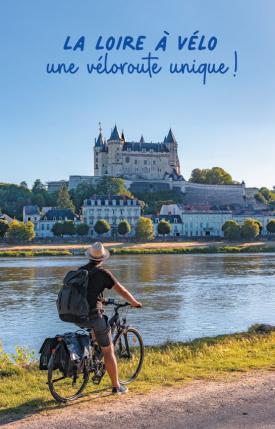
72, 304
46, 352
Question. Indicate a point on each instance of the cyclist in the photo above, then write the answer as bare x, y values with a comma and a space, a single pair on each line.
100, 279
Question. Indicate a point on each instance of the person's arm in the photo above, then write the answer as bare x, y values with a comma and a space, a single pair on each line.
122, 291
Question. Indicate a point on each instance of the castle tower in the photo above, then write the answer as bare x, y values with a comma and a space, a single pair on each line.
100, 155
115, 146
172, 145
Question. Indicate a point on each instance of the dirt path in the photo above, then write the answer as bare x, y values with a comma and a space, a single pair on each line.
248, 402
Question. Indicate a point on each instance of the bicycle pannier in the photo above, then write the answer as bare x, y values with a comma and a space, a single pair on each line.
46, 352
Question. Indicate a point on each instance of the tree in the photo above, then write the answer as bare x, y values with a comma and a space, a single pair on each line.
68, 227
20, 231
124, 227
58, 229
81, 193
271, 226
102, 227
82, 229
212, 176
4, 226
145, 228
250, 229
164, 227
13, 198
231, 230
63, 200
38, 187
24, 184
112, 185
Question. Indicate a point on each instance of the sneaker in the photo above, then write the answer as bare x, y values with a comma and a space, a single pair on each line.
119, 390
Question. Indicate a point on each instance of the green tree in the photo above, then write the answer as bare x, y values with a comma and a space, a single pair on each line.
4, 226
124, 227
271, 226
24, 184
69, 227
58, 229
81, 193
145, 228
102, 227
250, 229
231, 230
164, 227
63, 200
112, 185
38, 187
212, 176
82, 229
19, 231
13, 198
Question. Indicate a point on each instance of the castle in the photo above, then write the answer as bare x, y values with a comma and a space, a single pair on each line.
136, 160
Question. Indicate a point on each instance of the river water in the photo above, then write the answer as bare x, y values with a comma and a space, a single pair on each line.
184, 296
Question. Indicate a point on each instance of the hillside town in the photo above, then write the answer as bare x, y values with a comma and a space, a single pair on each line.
137, 182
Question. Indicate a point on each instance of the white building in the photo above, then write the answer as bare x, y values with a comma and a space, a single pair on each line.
175, 222
45, 218
113, 209
209, 223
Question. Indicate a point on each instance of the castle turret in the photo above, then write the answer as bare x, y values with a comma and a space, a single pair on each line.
115, 147
172, 146
100, 155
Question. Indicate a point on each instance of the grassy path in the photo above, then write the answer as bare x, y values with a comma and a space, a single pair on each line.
243, 402
23, 390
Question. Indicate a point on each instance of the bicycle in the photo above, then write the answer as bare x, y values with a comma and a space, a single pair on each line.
129, 351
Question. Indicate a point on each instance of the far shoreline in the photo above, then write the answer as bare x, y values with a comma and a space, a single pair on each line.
134, 248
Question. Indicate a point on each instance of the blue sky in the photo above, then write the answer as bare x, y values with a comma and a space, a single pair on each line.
48, 122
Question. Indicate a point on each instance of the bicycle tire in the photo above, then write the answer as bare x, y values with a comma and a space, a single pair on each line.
57, 396
129, 379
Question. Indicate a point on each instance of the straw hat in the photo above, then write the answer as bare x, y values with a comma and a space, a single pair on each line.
97, 252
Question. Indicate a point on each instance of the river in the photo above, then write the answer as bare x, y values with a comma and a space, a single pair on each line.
184, 296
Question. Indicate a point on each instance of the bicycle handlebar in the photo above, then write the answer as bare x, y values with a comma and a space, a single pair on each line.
117, 304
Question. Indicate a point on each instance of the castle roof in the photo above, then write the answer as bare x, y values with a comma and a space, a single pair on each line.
99, 141
170, 138
144, 147
114, 134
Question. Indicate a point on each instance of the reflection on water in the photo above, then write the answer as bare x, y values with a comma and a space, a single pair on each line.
184, 296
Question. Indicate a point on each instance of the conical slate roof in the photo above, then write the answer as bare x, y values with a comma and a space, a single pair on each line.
99, 141
114, 134
170, 138
142, 139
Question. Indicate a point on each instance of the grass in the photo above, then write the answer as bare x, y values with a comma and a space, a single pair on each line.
23, 387
31, 253
193, 250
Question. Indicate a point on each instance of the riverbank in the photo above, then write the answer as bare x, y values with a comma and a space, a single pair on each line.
23, 388
245, 402
118, 248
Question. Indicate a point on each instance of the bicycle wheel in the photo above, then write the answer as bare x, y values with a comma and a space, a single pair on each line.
129, 351
64, 388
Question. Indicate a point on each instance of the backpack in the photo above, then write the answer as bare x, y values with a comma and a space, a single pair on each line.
72, 304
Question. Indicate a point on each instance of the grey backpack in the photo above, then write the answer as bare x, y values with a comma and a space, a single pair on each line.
72, 304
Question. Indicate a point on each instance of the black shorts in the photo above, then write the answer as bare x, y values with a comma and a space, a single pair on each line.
99, 323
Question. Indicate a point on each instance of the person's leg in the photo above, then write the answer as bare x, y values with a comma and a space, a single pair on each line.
111, 364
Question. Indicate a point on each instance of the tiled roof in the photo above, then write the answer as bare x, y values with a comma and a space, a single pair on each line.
147, 147
59, 214
110, 199
31, 210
